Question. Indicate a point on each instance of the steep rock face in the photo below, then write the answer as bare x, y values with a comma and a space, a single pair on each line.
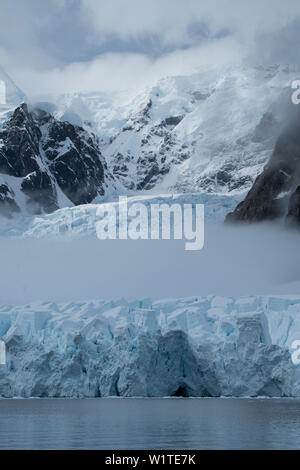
293, 216
74, 160
47, 156
20, 144
41, 192
154, 149
274, 193
196, 133
8, 205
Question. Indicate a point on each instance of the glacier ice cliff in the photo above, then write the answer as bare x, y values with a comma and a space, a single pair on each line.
80, 221
201, 346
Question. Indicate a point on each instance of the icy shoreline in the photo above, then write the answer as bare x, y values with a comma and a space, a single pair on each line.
195, 347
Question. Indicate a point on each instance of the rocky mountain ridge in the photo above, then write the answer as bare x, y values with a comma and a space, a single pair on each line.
45, 163
275, 193
210, 132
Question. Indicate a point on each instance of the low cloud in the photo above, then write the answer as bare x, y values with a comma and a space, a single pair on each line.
115, 72
88, 45
250, 260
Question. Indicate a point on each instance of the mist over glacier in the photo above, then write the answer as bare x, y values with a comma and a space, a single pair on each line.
250, 260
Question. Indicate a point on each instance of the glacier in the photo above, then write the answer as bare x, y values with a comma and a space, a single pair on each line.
167, 143
201, 346
80, 221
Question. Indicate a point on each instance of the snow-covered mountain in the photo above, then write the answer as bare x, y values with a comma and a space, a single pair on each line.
275, 193
201, 346
46, 164
208, 132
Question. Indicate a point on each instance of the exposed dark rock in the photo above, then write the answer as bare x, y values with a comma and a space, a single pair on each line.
267, 128
8, 205
146, 182
270, 196
41, 192
293, 216
173, 120
77, 167
150, 165
20, 144
47, 153
261, 203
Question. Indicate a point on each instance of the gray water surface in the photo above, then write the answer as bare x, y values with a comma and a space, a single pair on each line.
150, 424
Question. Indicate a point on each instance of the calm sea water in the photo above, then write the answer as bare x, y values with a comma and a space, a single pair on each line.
150, 424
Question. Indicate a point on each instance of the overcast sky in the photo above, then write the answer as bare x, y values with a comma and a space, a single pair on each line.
69, 45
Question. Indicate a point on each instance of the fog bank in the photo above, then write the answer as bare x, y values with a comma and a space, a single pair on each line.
235, 261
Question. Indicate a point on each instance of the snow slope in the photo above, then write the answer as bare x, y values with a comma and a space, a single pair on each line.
212, 131
200, 346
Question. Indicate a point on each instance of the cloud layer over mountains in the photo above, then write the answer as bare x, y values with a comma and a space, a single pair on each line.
85, 45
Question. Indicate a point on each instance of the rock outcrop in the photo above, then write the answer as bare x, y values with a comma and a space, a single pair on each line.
275, 192
41, 157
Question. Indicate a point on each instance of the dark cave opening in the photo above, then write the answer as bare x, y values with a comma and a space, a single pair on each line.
182, 391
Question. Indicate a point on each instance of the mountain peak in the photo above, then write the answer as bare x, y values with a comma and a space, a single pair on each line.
49, 161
